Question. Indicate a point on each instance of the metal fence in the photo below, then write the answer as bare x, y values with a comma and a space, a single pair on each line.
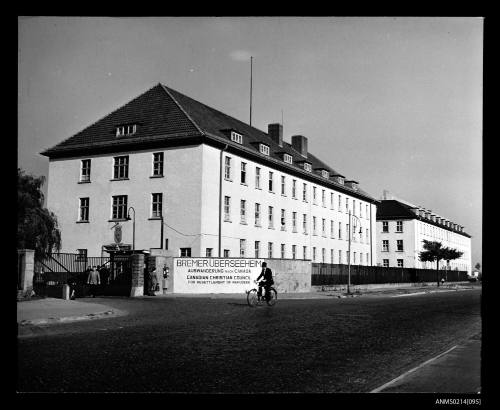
334, 274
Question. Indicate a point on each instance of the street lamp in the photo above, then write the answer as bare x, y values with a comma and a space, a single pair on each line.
349, 252
133, 227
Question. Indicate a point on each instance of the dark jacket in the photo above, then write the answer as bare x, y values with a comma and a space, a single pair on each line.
267, 274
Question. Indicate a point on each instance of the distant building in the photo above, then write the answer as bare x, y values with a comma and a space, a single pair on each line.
213, 181
402, 227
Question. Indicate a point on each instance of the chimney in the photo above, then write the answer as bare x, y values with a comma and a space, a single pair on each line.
275, 131
299, 143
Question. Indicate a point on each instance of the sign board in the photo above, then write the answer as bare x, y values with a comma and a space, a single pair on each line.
215, 275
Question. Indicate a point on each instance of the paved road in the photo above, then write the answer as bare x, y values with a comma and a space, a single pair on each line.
219, 345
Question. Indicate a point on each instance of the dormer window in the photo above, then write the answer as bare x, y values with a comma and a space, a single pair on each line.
325, 174
123, 130
287, 158
307, 167
340, 180
264, 149
236, 137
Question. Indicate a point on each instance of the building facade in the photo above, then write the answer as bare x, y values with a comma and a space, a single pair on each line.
166, 171
401, 229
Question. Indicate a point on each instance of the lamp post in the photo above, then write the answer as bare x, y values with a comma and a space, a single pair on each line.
133, 227
349, 252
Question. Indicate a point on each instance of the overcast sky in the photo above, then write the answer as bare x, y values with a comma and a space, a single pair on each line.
394, 103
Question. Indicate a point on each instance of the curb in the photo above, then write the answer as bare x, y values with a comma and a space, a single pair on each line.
65, 319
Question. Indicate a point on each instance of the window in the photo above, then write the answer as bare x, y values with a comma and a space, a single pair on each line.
82, 255
257, 177
185, 252
85, 171
227, 168
331, 255
283, 185
367, 236
399, 226
354, 260
385, 263
120, 170
323, 255
400, 263
361, 235
366, 213
347, 205
287, 158
243, 211
385, 226
314, 253
307, 167
294, 221
270, 181
84, 209
400, 245
323, 227
271, 218
264, 149
340, 230
332, 229
243, 173
226, 253
385, 245
314, 195
340, 202
158, 164
323, 198
270, 250
304, 192
282, 251
325, 174
156, 205
347, 232
208, 252
236, 137
243, 247
257, 249
294, 188
360, 210
119, 210
283, 221
304, 252
126, 130
257, 214
227, 208
304, 223
340, 256
331, 200
367, 259
314, 225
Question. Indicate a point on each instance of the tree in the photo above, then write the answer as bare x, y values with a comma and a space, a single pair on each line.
36, 226
435, 252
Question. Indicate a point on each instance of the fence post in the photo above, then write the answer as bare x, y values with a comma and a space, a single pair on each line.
26, 270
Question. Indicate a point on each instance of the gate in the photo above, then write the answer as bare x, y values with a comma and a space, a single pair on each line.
116, 280
58, 269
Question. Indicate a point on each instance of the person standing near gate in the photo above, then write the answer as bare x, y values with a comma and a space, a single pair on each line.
93, 281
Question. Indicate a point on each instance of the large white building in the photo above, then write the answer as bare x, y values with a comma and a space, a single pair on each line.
219, 186
402, 227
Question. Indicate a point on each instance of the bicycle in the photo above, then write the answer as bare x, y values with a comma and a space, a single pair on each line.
270, 297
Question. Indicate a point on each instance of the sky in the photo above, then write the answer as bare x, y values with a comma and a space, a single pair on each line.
394, 103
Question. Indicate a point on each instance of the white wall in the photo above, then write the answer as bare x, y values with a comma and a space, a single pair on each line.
233, 231
181, 188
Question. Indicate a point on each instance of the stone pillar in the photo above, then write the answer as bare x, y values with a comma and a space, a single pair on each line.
137, 275
27, 269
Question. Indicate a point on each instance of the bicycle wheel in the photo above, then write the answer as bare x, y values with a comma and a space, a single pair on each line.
272, 297
252, 298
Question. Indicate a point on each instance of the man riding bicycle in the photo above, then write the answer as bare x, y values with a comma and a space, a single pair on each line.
267, 275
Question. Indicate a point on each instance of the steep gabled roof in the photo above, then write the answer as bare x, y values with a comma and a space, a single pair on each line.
163, 114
